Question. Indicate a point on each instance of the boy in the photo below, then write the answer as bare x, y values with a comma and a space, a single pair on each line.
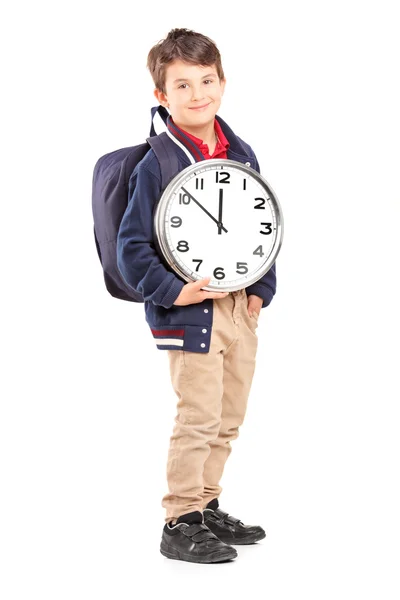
210, 337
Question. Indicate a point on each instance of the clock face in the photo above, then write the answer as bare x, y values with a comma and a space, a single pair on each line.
219, 218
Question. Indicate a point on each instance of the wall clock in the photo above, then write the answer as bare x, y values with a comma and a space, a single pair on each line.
219, 217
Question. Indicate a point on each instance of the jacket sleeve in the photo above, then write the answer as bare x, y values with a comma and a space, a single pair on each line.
265, 287
137, 260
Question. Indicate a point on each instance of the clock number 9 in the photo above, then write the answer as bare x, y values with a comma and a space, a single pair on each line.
176, 221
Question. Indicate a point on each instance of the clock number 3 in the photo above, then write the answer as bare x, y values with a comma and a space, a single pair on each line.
268, 227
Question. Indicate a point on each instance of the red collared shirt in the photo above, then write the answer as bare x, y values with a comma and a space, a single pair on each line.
220, 148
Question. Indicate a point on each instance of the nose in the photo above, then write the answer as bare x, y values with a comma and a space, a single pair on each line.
197, 93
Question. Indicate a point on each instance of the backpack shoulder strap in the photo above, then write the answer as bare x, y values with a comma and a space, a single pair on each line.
166, 156
163, 113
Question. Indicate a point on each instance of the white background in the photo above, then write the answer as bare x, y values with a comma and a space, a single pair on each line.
87, 406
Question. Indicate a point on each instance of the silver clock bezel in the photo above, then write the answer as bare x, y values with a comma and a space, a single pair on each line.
160, 232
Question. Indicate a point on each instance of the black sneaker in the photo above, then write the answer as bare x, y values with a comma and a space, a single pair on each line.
193, 541
228, 529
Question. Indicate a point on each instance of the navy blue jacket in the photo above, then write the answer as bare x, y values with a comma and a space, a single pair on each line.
173, 327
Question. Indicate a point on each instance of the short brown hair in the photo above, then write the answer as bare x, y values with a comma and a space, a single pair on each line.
185, 45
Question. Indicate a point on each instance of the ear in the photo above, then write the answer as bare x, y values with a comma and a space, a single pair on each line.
223, 82
161, 97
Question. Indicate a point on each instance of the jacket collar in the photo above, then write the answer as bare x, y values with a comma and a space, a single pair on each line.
189, 152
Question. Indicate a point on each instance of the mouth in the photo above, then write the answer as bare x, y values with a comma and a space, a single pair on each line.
199, 107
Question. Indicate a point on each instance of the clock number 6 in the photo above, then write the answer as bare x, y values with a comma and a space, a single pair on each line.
219, 273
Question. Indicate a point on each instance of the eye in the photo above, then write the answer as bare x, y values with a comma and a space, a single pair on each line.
210, 80
181, 86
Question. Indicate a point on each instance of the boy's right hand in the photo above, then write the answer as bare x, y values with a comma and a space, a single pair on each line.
191, 293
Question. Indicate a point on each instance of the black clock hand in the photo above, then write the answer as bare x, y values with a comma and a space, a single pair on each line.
221, 191
220, 225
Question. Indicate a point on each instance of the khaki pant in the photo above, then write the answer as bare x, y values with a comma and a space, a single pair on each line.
212, 389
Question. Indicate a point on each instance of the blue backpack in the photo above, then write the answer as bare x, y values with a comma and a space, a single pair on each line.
110, 199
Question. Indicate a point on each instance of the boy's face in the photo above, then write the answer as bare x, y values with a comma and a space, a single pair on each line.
193, 93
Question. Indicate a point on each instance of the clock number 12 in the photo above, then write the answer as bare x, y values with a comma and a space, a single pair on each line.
222, 177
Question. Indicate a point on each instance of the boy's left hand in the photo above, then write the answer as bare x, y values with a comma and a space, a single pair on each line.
254, 303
